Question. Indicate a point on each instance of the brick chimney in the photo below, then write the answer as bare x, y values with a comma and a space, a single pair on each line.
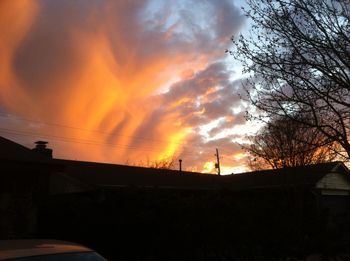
40, 147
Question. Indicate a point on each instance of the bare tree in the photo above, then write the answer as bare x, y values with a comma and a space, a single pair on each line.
164, 163
298, 58
285, 143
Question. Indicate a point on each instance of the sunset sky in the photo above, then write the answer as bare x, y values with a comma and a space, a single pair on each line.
126, 82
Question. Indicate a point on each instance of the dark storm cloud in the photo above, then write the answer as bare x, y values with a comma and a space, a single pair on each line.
228, 123
207, 96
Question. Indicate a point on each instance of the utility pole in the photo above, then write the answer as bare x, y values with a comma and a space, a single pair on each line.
180, 164
217, 164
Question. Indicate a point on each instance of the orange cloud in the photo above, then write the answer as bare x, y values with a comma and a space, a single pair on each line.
16, 17
99, 66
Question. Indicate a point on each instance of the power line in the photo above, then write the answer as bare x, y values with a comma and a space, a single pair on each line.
67, 139
82, 129
80, 141
86, 142
89, 142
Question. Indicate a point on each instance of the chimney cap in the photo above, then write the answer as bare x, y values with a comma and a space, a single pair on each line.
41, 142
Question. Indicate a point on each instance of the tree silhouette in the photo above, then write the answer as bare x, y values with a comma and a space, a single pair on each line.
298, 58
164, 163
285, 143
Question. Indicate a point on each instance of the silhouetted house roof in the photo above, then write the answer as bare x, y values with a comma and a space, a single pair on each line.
24, 172
110, 176
74, 176
304, 176
10, 150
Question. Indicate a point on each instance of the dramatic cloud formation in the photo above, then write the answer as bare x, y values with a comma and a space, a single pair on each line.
121, 81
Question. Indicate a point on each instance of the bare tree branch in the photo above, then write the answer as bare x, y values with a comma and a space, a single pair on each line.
298, 56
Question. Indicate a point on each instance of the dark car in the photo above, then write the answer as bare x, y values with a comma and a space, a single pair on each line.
46, 250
